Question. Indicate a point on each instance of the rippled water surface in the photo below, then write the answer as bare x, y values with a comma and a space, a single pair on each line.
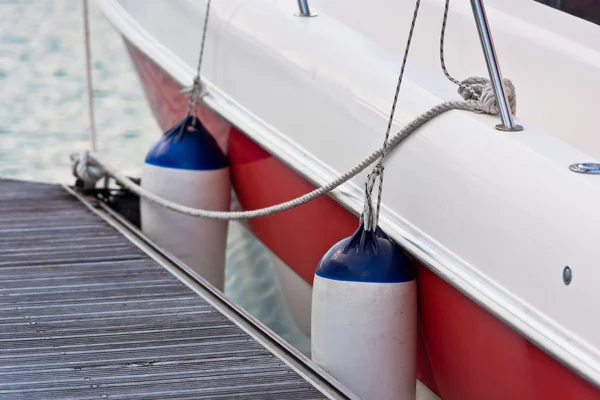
43, 105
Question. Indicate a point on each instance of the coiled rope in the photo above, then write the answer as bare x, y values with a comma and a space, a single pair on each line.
478, 97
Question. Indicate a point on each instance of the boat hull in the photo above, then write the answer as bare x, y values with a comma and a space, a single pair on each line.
464, 352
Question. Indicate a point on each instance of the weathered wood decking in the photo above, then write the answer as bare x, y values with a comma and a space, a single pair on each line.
86, 314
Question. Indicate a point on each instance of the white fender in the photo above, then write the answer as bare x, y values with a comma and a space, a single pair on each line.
187, 167
364, 317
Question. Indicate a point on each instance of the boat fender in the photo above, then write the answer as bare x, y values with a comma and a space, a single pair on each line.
364, 316
187, 166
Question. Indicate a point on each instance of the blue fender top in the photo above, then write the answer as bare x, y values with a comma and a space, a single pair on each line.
187, 145
366, 256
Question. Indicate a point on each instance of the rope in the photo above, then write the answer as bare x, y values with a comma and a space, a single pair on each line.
477, 93
368, 217
472, 85
197, 90
373, 218
467, 105
480, 89
204, 29
86, 169
442, 37
88, 70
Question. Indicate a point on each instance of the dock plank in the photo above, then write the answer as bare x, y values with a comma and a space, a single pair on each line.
86, 314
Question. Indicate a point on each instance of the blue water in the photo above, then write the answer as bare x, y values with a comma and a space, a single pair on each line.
43, 119
43, 112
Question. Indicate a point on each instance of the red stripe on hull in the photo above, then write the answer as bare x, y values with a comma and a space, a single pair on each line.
299, 236
464, 352
167, 103
476, 356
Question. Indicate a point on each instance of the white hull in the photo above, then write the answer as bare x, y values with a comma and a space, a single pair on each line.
496, 214
298, 293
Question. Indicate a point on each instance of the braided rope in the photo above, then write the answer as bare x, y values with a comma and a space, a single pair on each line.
197, 90
477, 93
469, 105
372, 218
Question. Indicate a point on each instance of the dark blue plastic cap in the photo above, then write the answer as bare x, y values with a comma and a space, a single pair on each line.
366, 256
187, 145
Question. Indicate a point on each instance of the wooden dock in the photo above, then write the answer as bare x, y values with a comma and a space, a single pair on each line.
88, 311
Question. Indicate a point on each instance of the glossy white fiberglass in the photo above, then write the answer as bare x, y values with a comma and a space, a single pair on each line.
496, 214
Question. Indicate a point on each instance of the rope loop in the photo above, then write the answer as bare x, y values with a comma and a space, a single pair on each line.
195, 92
394, 141
478, 95
87, 169
370, 216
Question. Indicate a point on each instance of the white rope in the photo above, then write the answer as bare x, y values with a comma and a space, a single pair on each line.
369, 218
477, 93
88, 70
86, 169
468, 105
476, 87
479, 89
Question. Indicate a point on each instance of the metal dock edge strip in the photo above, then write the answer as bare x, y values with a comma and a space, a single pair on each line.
313, 374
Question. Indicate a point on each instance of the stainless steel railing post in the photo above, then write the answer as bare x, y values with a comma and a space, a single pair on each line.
304, 9
493, 67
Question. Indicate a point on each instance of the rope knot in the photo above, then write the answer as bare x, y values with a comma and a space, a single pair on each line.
195, 93
370, 216
479, 92
87, 169
377, 170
